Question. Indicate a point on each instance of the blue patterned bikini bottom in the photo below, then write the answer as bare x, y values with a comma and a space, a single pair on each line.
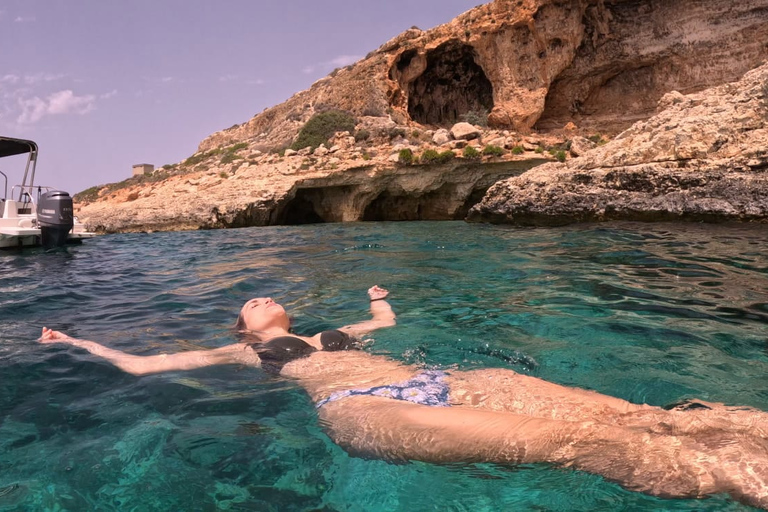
427, 388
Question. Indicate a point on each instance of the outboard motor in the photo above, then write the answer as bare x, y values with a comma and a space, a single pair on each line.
55, 217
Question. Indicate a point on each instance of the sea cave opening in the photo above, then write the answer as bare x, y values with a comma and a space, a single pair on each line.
452, 84
443, 203
317, 205
300, 210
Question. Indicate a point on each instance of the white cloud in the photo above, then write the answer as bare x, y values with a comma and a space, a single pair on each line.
24, 19
42, 77
258, 81
65, 102
108, 95
10, 79
61, 102
227, 78
166, 79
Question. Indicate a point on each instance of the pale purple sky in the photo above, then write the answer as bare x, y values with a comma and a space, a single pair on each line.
105, 84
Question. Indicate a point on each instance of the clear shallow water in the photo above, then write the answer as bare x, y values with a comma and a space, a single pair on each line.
649, 313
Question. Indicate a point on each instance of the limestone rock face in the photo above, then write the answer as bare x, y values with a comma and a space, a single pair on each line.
704, 157
282, 191
602, 65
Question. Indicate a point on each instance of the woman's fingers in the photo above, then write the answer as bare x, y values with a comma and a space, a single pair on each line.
377, 292
49, 335
45, 335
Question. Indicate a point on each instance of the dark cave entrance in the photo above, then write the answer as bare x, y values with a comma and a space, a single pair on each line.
452, 85
474, 198
316, 205
444, 203
300, 210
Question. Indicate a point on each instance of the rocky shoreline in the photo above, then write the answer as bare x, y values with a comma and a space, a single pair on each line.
352, 180
704, 157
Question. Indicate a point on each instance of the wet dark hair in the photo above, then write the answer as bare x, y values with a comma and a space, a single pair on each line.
240, 322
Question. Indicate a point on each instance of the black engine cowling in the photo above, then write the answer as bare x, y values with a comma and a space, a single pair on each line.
55, 217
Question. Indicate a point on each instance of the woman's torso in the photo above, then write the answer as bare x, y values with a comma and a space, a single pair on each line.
324, 373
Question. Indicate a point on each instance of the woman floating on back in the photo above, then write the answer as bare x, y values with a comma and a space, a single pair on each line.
375, 406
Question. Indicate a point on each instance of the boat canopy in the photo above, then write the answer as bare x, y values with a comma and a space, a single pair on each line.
10, 147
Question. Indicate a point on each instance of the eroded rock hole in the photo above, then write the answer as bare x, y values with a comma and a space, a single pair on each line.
300, 210
405, 59
452, 84
440, 204
474, 198
318, 204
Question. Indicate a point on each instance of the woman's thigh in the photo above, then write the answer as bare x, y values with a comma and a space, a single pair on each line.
505, 390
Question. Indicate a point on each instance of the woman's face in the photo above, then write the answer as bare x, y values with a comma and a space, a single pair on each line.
262, 313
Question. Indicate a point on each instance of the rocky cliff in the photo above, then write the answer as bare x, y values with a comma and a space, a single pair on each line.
544, 71
535, 64
350, 181
704, 157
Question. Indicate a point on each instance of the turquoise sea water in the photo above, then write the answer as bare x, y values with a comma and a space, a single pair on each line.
649, 313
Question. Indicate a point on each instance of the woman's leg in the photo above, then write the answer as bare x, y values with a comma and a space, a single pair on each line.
657, 464
505, 390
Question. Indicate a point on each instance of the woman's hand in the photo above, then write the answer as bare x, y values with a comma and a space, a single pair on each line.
377, 293
51, 336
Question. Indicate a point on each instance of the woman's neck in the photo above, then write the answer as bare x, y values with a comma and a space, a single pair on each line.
272, 332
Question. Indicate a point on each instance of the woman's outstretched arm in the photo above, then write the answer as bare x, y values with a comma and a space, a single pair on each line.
143, 365
381, 313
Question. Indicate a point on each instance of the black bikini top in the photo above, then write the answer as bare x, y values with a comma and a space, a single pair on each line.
277, 352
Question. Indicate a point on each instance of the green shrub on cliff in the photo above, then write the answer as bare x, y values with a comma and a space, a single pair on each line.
446, 156
321, 127
88, 195
195, 159
429, 156
471, 153
228, 158
491, 150
405, 157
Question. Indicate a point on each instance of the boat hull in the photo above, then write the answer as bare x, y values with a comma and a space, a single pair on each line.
13, 238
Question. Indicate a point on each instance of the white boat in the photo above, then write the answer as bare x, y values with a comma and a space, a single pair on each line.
35, 215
